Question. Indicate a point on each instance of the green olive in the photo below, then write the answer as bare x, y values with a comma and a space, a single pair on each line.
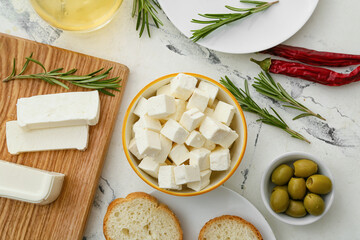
282, 174
279, 200
319, 184
314, 204
281, 187
297, 188
305, 168
296, 209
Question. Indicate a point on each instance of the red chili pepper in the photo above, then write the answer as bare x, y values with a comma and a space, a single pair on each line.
310, 73
313, 57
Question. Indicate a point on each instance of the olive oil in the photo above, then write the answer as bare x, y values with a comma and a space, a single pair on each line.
76, 15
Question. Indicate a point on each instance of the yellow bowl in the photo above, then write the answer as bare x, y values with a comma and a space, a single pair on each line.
237, 150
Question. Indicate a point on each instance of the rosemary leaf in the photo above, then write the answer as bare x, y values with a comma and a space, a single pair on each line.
144, 9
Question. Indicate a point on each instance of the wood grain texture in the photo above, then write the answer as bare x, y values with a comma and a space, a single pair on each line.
66, 217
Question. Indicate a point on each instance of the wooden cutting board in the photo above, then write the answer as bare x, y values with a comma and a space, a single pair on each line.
66, 217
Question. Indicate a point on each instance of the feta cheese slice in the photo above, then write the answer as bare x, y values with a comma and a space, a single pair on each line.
58, 110
134, 150
200, 157
224, 113
214, 130
186, 174
195, 139
182, 86
29, 184
179, 154
164, 90
141, 107
174, 131
166, 178
160, 106
180, 109
150, 166
20, 140
210, 89
191, 119
199, 100
220, 159
148, 142
204, 181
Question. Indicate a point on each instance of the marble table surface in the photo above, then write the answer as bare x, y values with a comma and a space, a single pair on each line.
334, 26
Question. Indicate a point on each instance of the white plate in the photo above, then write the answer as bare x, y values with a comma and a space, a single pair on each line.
257, 32
194, 212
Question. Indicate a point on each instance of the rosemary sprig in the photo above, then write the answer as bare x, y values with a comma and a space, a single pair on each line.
220, 19
91, 80
266, 85
249, 105
144, 10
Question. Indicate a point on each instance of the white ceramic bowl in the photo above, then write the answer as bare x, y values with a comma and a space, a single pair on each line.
267, 186
237, 150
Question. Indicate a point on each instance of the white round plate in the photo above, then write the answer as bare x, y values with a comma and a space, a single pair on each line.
194, 212
257, 32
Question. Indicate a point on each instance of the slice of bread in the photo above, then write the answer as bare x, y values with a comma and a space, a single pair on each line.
140, 216
229, 227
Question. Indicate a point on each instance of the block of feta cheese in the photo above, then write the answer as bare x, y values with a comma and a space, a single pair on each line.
174, 131
191, 119
134, 150
220, 159
200, 157
166, 146
195, 139
199, 100
208, 112
224, 113
186, 174
160, 106
149, 123
179, 154
209, 145
229, 139
150, 166
20, 140
180, 109
166, 178
182, 86
147, 142
213, 130
29, 184
58, 110
164, 90
210, 89
141, 108
204, 181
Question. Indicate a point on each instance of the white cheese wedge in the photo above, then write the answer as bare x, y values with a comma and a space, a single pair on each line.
180, 109
150, 166
147, 142
199, 100
59, 110
200, 157
191, 119
182, 86
186, 174
161, 106
224, 113
134, 150
20, 140
174, 131
210, 89
195, 139
179, 154
166, 178
204, 181
220, 159
29, 184
213, 130
141, 108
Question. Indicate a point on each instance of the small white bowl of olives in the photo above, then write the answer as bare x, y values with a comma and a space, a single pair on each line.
297, 188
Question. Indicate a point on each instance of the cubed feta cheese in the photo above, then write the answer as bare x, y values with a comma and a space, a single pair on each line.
182, 86
164, 90
174, 131
204, 181
220, 159
160, 106
208, 112
186, 174
199, 100
210, 89
166, 178
224, 113
195, 139
191, 119
149, 123
214, 130
140, 108
134, 150
180, 109
166, 146
200, 157
150, 166
229, 139
179, 154
147, 142
209, 145
213, 106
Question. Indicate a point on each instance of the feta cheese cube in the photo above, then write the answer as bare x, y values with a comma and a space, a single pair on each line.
199, 100
160, 106
229, 139
220, 159
134, 150
140, 108
166, 146
149, 123
174, 131
209, 145
214, 130
204, 181
224, 113
164, 90
186, 174
195, 139
150, 166
179, 154
147, 142
213, 106
166, 178
200, 157
180, 109
182, 86
191, 119
210, 89
208, 112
